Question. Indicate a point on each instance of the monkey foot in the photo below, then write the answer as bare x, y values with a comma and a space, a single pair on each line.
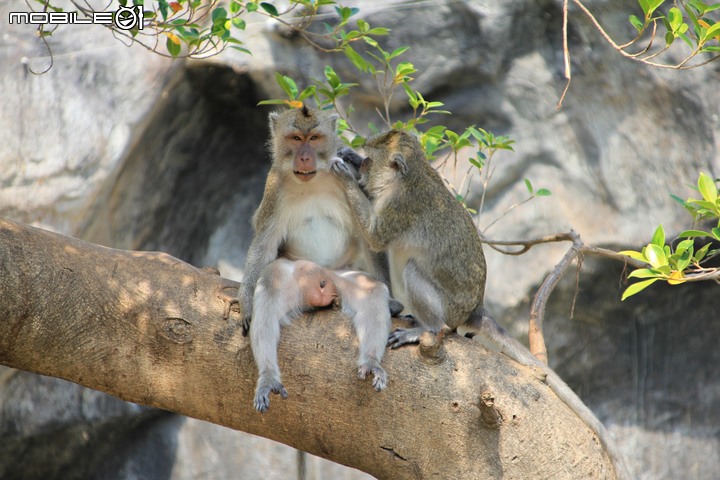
262, 394
404, 336
379, 375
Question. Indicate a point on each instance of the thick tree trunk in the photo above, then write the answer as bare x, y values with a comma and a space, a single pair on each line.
149, 329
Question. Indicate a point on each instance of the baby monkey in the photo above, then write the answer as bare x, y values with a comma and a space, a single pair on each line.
286, 289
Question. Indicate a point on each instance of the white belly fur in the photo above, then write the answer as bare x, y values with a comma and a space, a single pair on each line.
319, 226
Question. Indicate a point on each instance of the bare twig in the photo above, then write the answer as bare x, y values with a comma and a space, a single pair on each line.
566, 54
536, 337
537, 309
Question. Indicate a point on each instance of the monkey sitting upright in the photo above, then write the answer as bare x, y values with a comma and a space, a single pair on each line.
437, 266
286, 289
304, 215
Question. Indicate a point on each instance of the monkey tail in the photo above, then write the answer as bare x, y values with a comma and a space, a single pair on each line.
482, 323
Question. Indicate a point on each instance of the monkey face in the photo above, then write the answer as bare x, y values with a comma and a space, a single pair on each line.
303, 141
388, 158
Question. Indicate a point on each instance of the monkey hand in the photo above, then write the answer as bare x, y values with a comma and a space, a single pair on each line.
350, 156
342, 171
379, 375
266, 386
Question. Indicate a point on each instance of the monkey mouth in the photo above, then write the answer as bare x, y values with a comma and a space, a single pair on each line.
305, 175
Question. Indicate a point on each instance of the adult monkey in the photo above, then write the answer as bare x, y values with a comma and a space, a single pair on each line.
437, 267
304, 215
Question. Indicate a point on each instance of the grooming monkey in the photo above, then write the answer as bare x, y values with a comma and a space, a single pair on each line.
304, 215
437, 266
287, 289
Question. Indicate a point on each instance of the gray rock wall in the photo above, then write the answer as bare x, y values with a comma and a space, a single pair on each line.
128, 149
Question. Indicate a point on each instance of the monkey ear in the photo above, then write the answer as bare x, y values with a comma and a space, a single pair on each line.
273, 121
398, 163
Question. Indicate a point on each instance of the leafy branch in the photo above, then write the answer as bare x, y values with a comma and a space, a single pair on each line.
681, 263
696, 24
392, 76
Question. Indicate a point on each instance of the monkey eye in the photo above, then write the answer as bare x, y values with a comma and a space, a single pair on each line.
314, 137
296, 138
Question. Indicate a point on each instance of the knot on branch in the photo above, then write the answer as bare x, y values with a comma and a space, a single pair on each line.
228, 292
431, 349
176, 330
490, 416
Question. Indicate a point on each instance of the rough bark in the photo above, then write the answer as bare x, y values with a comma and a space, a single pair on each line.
149, 329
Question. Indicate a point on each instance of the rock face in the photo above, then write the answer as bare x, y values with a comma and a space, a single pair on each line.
128, 149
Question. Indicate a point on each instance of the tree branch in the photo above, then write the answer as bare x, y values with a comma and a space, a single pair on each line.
149, 329
536, 338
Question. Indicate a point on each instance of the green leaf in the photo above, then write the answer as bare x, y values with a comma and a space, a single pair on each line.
634, 255
405, 68
655, 255
637, 288
543, 192
241, 49
644, 273
269, 8
219, 15
716, 232
307, 92
684, 245
331, 76
163, 7
644, 4
700, 254
710, 207
652, 6
357, 142
684, 260
691, 15
637, 23
669, 39
695, 233
274, 101
687, 40
706, 185
698, 5
529, 186
477, 164
397, 52
675, 18
658, 237
172, 47
357, 60
287, 84
378, 31
713, 31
